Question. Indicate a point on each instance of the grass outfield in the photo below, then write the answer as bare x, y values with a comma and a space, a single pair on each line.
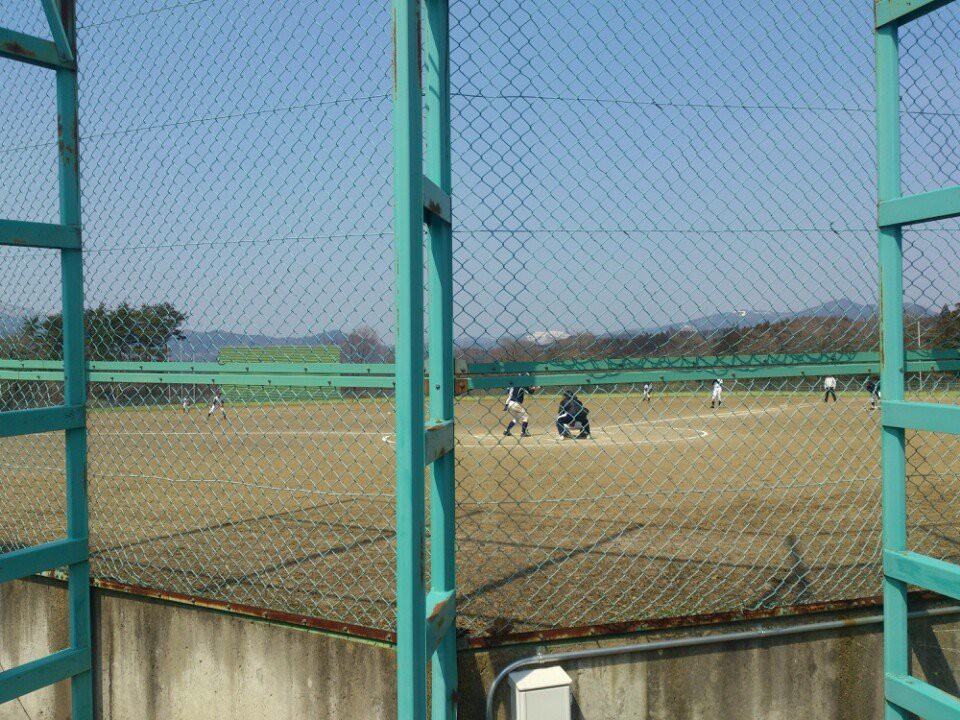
670, 509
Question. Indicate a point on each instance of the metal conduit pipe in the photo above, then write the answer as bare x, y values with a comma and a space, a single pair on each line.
544, 659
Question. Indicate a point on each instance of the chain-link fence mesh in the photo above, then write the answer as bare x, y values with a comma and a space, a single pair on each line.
930, 127
686, 193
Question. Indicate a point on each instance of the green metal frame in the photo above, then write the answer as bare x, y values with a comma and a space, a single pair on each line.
426, 612
483, 376
74, 662
905, 695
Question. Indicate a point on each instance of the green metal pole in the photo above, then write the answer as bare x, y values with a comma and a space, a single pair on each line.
408, 240
896, 651
442, 483
74, 386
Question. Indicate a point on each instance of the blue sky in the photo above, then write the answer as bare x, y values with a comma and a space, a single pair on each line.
616, 165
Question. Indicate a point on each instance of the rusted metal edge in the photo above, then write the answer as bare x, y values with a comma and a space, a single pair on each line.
438, 440
436, 201
467, 642
332, 626
587, 632
460, 386
33, 50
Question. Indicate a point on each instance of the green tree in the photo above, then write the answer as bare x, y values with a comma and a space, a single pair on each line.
947, 327
122, 333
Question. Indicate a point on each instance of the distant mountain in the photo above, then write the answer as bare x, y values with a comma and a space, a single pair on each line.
203, 346
855, 311
844, 307
546, 337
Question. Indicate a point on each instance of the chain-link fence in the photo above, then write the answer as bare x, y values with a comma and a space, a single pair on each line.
645, 201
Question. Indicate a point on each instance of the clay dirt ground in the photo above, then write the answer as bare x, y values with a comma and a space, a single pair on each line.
671, 509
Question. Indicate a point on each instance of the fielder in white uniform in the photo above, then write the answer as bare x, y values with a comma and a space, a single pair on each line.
647, 389
217, 403
716, 399
830, 388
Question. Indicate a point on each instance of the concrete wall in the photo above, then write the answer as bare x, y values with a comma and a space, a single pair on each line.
829, 675
162, 660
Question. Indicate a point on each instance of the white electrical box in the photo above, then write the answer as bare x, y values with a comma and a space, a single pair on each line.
541, 694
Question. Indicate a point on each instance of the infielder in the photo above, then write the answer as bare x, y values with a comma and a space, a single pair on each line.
186, 403
716, 399
217, 403
514, 406
874, 389
830, 388
647, 389
572, 413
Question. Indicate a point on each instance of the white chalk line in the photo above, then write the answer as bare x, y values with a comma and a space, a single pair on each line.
720, 414
194, 433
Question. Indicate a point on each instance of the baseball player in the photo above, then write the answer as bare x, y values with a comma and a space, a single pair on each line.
647, 389
874, 389
217, 403
716, 399
186, 403
572, 414
829, 388
514, 405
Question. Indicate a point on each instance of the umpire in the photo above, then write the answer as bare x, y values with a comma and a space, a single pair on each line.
572, 411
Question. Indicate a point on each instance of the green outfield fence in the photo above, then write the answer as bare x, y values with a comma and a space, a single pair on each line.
261, 394
362, 223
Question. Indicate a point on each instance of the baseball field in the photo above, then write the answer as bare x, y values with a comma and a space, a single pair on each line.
672, 508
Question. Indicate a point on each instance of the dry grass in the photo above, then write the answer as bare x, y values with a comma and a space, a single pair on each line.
671, 509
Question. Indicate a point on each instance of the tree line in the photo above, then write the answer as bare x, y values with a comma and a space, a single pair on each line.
144, 333
123, 333
798, 335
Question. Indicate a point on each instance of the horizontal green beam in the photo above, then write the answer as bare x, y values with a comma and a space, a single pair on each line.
903, 11
516, 368
41, 420
606, 372
40, 673
224, 379
269, 368
671, 363
932, 366
664, 376
438, 440
312, 381
932, 417
441, 615
701, 362
925, 207
39, 235
484, 382
211, 367
920, 698
41, 558
923, 571
33, 50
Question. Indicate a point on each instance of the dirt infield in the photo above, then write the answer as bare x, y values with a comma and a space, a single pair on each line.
670, 509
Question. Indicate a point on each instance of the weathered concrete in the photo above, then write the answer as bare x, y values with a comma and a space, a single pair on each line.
831, 675
160, 660
169, 661
33, 623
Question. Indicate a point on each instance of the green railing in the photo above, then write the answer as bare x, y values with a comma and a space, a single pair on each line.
74, 663
906, 696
